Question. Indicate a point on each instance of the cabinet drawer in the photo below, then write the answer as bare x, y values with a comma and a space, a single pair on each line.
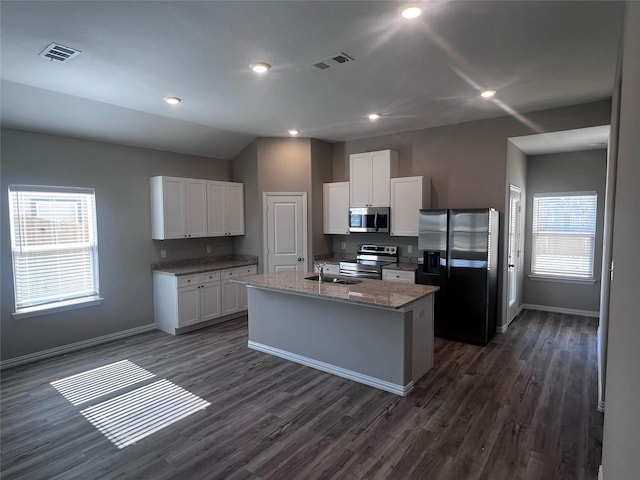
239, 272
186, 280
402, 276
209, 277
250, 270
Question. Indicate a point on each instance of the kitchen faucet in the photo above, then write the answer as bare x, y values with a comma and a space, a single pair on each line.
321, 271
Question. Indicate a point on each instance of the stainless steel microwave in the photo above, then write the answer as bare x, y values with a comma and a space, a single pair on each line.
369, 219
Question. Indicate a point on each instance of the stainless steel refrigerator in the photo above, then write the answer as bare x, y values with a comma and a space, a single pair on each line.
459, 253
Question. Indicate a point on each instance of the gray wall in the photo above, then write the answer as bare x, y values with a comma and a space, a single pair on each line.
621, 439
321, 172
467, 162
565, 172
120, 176
244, 169
283, 165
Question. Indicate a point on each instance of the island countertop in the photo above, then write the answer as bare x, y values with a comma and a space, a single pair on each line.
375, 293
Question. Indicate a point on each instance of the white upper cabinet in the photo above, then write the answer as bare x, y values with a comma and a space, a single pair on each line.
196, 211
369, 175
190, 208
408, 195
335, 200
178, 208
225, 206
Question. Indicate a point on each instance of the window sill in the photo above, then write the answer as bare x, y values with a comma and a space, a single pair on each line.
577, 281
57, 307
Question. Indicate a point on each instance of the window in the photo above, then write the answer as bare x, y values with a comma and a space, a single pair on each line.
564, 230
54, 246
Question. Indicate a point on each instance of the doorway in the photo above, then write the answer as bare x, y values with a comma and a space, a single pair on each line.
285, 231
513, 252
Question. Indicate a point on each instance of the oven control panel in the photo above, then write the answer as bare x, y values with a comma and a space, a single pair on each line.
385, 249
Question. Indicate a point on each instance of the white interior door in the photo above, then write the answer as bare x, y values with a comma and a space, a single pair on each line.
285, 232
513, 253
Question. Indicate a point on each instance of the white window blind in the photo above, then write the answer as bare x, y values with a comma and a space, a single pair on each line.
54, 244
564, 230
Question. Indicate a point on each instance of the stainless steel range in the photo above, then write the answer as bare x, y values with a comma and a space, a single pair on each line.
369, 261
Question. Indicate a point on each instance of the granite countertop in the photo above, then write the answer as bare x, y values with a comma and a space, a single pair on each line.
407, 267
205, 264
375, 293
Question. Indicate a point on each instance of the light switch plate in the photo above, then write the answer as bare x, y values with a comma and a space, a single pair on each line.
410, 249
163, 253
343, 245
208, 248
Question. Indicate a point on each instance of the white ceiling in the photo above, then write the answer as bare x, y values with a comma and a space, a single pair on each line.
418, 74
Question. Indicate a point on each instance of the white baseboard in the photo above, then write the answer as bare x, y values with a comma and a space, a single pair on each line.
503, 328
72, 347
402, 390
568, 311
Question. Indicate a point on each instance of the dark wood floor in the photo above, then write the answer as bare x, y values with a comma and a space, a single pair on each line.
523, 407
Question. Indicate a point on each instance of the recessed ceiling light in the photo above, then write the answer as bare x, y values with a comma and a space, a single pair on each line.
488, 93
172, 100
410, 11
260, 67
293, 131
373, 116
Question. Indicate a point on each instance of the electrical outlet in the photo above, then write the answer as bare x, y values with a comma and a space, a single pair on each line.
410, 249
163, 253
208, 248
343, 245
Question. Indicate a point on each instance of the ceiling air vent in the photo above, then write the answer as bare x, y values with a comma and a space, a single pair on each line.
55, 51
333, 61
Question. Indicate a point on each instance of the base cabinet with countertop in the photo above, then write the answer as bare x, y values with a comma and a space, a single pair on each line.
373, 332
186, 302
198, 298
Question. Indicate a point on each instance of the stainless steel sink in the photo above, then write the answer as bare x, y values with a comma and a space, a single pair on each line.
330, 279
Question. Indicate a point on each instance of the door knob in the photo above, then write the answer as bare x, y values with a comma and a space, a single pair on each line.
511, 265
299, 259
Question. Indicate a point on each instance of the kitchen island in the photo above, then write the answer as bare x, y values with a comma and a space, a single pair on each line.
374, 332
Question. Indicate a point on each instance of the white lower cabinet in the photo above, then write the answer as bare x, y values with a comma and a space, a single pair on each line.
329, 268
400, 276
198, 298
234, 295
183, 301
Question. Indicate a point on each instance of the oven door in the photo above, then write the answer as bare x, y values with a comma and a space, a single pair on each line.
369, 219
361, 270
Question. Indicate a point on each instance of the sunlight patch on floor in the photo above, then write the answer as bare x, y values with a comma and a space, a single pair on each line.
132, 416
100, 381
